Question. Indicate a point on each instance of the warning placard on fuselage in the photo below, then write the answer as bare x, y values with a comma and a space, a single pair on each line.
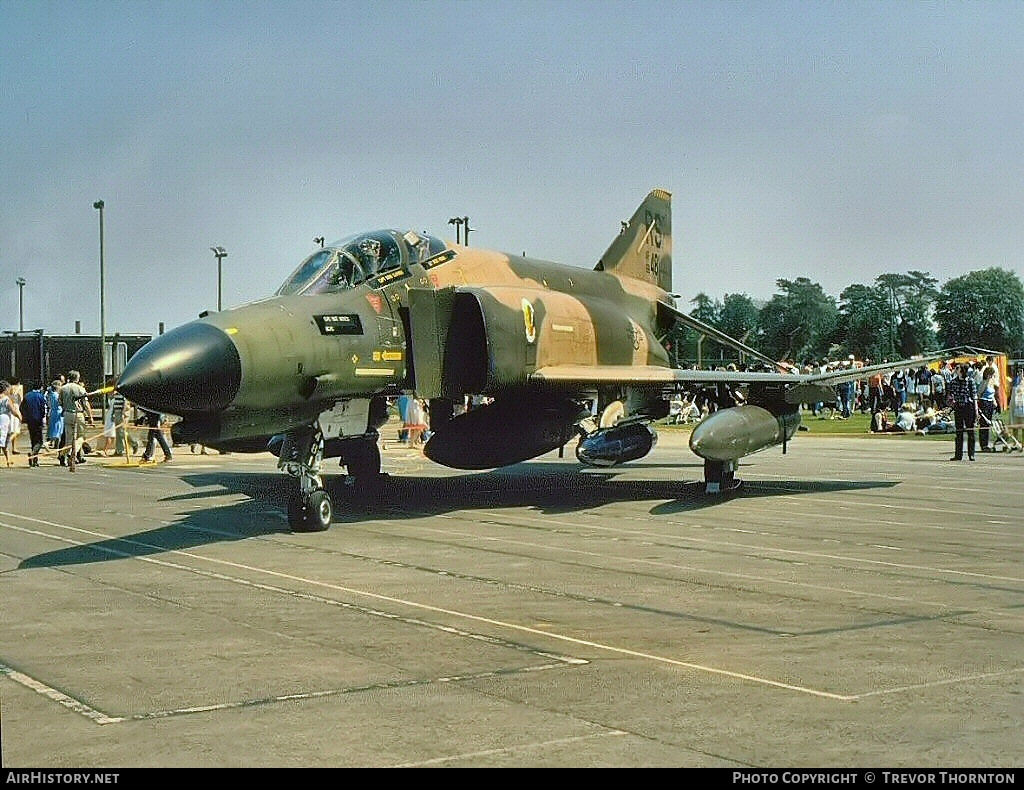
339, 324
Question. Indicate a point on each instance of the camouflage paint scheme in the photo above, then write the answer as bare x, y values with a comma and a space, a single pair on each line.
562, 351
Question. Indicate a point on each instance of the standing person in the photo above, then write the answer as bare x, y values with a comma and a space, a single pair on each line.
403, 414
154, 427
54, 417
987, 394
938, 388
33, 410
923, 379
962, 393
888, 393
846, 398
8, 411
875, 395
899, 385
75, 405
109, 431
17, 395
415, 422
121, 414
1017, 406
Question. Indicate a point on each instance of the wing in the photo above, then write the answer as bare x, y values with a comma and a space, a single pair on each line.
668, 314
656, 374
799, 387
853, 374
652, 374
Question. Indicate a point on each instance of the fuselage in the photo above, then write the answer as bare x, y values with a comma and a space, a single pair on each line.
340, 329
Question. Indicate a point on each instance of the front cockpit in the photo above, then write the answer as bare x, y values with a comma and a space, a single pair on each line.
355, 259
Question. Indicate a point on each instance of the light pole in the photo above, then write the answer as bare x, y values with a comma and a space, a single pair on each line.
457, 222
21, 303
220, 254
98, 205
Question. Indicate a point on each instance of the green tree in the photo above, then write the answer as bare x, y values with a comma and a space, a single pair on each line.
709, 311
705, 309
865, 325
798, 323
912, 296
982, 308
680, 343
738, 317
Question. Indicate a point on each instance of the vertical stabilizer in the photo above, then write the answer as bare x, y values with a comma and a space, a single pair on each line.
643, 248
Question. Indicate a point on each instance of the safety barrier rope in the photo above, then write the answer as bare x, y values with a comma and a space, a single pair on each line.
128, 427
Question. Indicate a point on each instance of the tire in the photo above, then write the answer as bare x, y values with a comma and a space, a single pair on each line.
319, 512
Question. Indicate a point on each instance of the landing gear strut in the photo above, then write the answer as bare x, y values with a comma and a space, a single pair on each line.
361, 458
720, 477
310, 509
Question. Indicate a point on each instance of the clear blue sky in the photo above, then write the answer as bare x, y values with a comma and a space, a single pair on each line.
831, 140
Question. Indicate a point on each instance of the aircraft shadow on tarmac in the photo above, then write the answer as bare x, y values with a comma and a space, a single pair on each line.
545, 488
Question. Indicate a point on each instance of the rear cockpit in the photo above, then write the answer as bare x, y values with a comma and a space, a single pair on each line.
355, 259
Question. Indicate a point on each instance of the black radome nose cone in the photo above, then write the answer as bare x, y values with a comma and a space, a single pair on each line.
194, 368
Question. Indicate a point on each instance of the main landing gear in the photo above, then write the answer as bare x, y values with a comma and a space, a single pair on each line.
720, 477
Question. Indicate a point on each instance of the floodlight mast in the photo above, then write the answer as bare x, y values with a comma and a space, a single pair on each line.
220, 254
21, 303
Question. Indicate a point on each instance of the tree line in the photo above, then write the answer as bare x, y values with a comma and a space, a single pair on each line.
897, 316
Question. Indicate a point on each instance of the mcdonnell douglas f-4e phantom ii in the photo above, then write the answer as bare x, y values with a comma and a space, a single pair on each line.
561, 351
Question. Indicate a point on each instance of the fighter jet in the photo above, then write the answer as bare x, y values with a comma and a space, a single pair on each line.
560, 352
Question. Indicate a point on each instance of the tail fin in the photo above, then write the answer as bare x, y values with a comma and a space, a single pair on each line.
643, 248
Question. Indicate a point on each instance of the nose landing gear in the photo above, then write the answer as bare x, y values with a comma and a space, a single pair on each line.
310, 509
312, 514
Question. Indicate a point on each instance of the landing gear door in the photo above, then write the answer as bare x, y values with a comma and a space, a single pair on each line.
345, 418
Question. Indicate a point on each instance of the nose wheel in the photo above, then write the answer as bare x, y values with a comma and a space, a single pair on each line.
312, 513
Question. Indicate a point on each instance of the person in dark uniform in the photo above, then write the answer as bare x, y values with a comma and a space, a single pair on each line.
154, 422
962, 394
33, 409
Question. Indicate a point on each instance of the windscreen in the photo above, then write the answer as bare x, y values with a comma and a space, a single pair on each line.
349, 262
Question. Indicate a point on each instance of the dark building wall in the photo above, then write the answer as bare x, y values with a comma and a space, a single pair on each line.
29, 356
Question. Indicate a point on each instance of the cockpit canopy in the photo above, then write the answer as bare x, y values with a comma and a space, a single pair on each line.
353, 260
